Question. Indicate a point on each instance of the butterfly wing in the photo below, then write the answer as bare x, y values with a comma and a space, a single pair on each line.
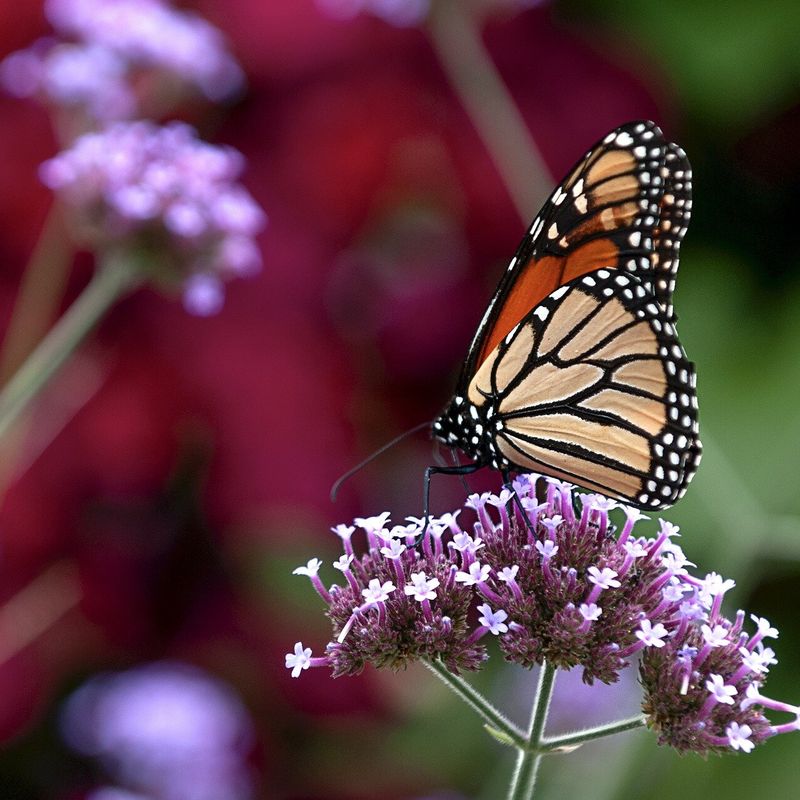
675, 210
575, 369
624, 206
593, 386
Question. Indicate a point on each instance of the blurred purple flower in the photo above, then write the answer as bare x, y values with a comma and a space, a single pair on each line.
203, 295
149, 33
167, 730
138, 184
112, 39
114, 793
71, 75
401, 13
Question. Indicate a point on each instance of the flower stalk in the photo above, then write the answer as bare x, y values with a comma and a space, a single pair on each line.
478, 703
116, 275
541, 745
453, 27
570, 741
523, 781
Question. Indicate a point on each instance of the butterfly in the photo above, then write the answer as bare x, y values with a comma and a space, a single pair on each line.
576, 370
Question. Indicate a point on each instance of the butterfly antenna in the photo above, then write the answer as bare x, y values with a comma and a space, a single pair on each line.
349, 474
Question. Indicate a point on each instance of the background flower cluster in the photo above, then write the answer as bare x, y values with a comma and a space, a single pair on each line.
177, 470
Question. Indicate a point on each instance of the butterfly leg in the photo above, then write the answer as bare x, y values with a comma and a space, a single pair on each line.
507, 484
458, 469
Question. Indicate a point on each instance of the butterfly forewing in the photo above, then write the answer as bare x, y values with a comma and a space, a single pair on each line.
675, 211
604, 214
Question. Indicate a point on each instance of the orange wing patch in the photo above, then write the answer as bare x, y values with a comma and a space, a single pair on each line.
610, 163
541, 276
602, 202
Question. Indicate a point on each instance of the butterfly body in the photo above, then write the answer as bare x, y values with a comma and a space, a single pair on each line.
576, 370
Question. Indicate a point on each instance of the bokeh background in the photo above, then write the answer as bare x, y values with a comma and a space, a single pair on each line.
167, 483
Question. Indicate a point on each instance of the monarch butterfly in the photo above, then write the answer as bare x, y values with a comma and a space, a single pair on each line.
575, 370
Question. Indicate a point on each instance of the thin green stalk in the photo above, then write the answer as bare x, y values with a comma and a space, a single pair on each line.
572, 740
454, 30
478, 703
113, 278
528, 759
40, 293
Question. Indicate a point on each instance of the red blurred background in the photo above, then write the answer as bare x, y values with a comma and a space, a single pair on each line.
180, 467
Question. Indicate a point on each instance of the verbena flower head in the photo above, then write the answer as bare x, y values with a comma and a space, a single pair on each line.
702, 688
167, 730
159, 189
559, 583
400, 605
109, 43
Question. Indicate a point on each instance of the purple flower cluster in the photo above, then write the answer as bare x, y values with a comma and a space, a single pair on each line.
167, 730
401, 13
162, 191
398, 604
168, 200
105, 44
554, 581
702, 687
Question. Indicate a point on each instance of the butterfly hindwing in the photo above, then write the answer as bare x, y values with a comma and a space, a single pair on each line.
594, 387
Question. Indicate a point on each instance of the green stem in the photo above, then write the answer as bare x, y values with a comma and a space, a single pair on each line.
478, 703
572, 740
528, 759
454, 30
113, 278
40, 293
